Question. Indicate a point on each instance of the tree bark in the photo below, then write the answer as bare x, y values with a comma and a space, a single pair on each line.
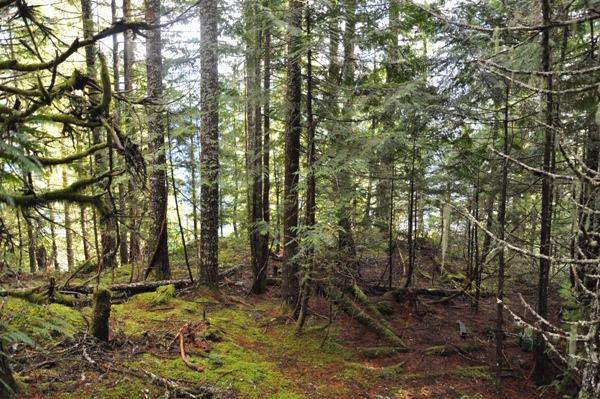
258, 239
158, 249
209, 143
290, 287
541, 373
501, 234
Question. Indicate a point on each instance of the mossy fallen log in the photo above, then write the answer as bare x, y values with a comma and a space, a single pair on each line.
39, 295
364, 300
378, 352
357, 313
404, 294
148, 286
453, 349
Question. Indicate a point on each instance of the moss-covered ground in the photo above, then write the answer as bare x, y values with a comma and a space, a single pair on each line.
247, 349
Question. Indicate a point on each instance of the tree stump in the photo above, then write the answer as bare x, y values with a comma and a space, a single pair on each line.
100, 313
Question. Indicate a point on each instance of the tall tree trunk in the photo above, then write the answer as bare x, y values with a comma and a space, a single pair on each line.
311, 186
135, 251
258, 239
290, 286
158, 255
501, 234
209, 143
122, 230
411, 216
266, 121
541, 372
107, 222
346, 244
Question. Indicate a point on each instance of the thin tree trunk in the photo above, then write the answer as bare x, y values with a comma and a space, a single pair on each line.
135, 251
30, 240
501, 230
68, 228
411, 200
194, 194
122, 231
84, 233
541, 373
266, 120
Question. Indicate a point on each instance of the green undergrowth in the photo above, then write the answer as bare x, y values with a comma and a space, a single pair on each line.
40, 323
255, 352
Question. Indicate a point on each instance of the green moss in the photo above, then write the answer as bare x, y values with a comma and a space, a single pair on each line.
101, 313
385, 307
392, 372
42, 323
374, 353
450, 276
163, 295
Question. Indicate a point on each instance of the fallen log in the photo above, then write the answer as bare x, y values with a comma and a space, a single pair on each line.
148, 286
404, 294
354, 311
61, 294
453, 349
364, 300
39, 295
378, 352
134, 288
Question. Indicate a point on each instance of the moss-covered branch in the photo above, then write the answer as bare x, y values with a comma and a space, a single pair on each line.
118, 27
66, 119
45, 161
103, 107
67, 194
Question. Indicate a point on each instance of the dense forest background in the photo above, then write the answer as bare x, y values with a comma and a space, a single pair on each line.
163, 137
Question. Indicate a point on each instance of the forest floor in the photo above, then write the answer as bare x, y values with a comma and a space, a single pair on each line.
243, 347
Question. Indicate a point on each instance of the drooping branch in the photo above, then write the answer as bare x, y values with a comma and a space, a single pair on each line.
46, 161
67, 194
